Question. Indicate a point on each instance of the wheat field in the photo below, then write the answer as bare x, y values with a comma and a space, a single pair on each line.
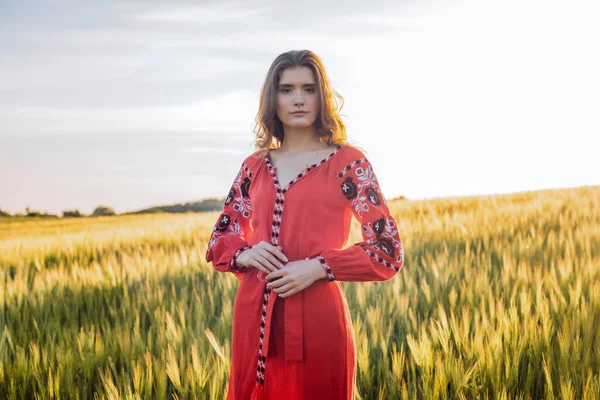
499, 298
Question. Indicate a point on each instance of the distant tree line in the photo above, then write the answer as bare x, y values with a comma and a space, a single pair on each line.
212, 204
206, 205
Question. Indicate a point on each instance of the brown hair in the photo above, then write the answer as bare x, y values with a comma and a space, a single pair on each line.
328, 125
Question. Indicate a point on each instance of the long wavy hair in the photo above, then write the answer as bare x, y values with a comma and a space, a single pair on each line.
328, 125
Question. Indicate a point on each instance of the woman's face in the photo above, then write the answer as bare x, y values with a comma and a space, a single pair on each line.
297, 97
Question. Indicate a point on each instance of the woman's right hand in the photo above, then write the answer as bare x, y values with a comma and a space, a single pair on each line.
263, 256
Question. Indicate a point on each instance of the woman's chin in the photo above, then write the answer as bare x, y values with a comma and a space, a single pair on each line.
299, 124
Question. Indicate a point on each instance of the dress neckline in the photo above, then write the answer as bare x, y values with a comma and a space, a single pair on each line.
304, 172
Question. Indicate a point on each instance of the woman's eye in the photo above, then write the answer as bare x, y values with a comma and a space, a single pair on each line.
289, 90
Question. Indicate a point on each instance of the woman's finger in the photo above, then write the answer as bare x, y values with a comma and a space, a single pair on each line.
264, 262
275, 250
255, 263
272, 259
284, 288
277, 253
258, 266
262, 269
277, 282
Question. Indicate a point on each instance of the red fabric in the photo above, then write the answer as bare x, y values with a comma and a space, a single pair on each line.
302, 347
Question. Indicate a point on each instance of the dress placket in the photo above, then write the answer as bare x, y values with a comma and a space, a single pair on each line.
294, 305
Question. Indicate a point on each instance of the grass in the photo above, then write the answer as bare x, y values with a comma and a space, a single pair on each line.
499, 299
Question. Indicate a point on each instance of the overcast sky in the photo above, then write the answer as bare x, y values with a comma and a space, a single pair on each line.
137, 103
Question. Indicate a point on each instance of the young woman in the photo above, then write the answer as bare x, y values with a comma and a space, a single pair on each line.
282, 233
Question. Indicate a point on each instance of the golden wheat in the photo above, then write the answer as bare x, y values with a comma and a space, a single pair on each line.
499, 298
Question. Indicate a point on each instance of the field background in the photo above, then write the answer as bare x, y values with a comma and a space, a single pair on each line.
499, 298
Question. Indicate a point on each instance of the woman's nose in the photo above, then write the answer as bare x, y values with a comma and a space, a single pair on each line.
298, 98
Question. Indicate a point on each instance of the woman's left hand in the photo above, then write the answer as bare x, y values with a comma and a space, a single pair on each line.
295, 276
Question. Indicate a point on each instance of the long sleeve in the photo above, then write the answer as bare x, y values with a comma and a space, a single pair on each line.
380, 255
232, 231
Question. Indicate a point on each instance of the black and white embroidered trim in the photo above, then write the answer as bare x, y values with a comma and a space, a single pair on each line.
375, 256
234, 258
260, 369
302, 174
327, 268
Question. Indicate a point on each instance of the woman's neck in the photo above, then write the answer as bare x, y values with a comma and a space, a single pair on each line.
298, 140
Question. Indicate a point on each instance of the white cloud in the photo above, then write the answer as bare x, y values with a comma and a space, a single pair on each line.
202, 14
228, 113
211, 150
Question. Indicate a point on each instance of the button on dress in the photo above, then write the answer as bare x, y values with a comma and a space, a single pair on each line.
302, 346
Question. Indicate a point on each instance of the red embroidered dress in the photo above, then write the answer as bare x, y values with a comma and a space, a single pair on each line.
302, 346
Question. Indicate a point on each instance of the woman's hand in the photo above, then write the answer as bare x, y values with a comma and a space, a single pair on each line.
263, 256
296, 276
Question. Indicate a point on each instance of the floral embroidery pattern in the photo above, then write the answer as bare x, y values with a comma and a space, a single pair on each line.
381, 238
389, 239
237, 205
372, 230
378, 226
240, 193
362, 187
225, 226
349, 188
372, 196
230, 196
245, 187
382, 234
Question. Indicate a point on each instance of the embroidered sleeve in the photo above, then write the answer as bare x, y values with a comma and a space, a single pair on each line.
231, 232
380, 255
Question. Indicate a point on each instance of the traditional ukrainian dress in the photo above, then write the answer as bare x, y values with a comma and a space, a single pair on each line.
302, 347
